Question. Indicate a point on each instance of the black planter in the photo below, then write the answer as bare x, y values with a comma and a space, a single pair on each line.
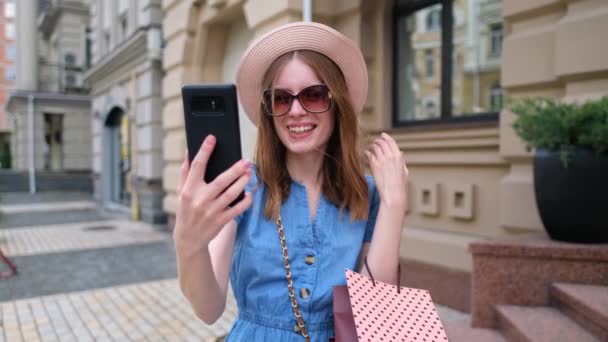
573, 201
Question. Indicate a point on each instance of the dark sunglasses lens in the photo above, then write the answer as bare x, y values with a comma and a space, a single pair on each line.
315, 99
277, 101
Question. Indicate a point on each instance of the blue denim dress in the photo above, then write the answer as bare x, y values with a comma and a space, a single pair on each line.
319, 251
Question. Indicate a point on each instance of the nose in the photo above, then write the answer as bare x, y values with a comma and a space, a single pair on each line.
296, 108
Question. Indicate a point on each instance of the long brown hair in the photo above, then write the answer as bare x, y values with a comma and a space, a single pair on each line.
343, 182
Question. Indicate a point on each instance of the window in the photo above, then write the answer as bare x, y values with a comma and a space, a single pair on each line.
10, 30
442, 67
428, 58
106, 38
495, 40
431, 110
433, 20
88, 48
10, 74
69, 59
124, 26
9, 9
496, 97
11, 52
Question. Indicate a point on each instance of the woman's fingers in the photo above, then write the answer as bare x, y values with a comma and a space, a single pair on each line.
391, 143
237, 209
370, 156
199, 163
183, 174
228, 177
232, 192
376, 151
383, 145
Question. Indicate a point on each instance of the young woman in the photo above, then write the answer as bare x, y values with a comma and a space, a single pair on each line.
309, 211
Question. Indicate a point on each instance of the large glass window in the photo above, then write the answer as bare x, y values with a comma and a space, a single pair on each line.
9, 28
10, 73
9, 9
447, 60
11, 52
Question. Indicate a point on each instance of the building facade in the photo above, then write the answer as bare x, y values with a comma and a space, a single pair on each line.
50, 105
8, 75
125, 79
438, 73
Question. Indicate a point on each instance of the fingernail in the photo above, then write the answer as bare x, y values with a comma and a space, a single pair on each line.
210, 139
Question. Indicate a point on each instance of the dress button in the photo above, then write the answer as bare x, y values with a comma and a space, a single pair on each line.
310, 259
304, 293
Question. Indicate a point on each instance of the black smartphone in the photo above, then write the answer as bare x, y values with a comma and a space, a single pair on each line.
213, 109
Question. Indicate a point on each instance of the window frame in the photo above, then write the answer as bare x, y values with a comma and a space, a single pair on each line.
496, 50
405, 8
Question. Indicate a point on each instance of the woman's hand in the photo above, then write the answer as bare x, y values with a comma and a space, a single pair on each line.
389, 171
203, 208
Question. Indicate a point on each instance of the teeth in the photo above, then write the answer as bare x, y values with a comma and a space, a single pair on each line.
298, 129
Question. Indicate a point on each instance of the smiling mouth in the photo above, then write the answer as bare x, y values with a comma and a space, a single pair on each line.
301, 129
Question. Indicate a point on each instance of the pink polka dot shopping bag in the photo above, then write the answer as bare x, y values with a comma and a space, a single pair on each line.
370, 310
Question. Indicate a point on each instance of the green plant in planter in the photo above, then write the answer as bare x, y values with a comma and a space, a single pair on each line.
548, 124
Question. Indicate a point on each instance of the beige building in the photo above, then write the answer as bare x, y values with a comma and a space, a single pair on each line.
471, 177
8, 72
125, 79
50, 106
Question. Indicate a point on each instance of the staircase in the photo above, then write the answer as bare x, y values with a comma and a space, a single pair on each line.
61, 197
577, 313
536, 290
18, 181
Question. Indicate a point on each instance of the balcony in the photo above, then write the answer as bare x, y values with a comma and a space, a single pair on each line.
64, 79
490, 11
50, 12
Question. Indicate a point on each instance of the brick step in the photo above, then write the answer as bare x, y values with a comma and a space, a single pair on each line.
463, 332
539, 324
585, 304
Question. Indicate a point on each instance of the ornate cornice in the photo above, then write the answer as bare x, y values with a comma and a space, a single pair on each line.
127, 51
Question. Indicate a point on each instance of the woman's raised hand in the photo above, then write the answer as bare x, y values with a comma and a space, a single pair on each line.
389, 170
203, 207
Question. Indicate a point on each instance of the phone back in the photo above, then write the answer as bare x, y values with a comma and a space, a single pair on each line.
213, 109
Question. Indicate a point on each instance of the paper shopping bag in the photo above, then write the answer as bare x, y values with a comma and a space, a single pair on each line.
384, 312
344, 323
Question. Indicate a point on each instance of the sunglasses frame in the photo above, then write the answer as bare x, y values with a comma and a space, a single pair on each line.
297, 96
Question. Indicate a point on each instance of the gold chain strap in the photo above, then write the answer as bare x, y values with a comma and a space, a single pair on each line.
292, 292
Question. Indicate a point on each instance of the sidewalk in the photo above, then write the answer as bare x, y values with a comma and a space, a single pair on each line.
111, 280
153, 311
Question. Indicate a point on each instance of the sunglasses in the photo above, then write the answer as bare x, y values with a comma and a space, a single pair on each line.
314, 99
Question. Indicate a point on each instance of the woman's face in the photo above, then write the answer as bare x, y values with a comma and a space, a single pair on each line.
299, 130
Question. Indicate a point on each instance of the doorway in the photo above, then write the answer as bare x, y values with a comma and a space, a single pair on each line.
53, 142
118, 157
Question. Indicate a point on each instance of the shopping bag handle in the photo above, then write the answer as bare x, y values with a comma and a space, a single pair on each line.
374, 281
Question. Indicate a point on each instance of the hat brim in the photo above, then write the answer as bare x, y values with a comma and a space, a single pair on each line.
299, 36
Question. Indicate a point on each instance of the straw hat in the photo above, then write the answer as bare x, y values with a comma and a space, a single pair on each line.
299, 36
